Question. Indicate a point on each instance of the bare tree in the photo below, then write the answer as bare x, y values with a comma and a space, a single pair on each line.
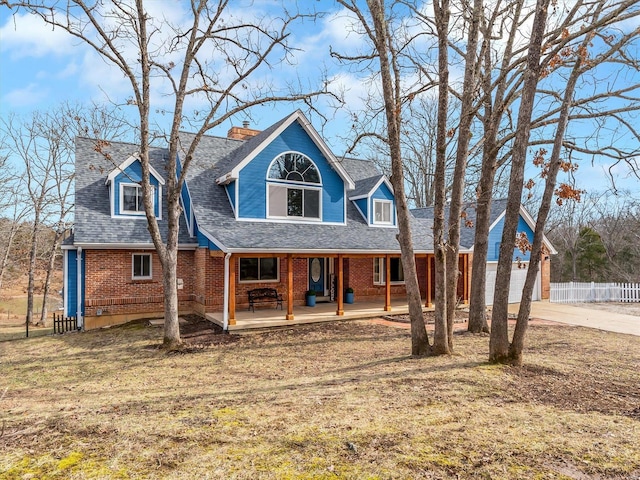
376, 28
503, 88
44, 145
442, 14
596, 16
499, 341
496, 99
211, 58
468, 109
17, 211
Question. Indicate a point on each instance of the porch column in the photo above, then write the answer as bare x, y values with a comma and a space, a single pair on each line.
340, 287
428, 292
387, 283
465, 279
289, 286
232, 290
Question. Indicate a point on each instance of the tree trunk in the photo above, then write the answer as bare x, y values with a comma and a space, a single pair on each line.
522, 323
494, 107
393, 108
169, 282
32, 268
440, 340
47, 282
5, 257
499, 341
467, 115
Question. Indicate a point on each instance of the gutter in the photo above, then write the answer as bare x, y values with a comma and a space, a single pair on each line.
79, 318
225, 302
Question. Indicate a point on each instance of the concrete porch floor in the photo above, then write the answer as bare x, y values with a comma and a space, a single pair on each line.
322, 312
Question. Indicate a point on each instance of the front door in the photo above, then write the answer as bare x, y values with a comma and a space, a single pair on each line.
316, 275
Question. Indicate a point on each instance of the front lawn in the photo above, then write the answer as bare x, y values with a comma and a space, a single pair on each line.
340, 400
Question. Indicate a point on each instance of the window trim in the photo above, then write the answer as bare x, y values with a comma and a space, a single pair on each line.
297, 182
379, 201
383, 271
259, 280
295, 186
137, 213
143, 277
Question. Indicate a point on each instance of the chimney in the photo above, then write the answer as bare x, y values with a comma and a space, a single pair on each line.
243, 132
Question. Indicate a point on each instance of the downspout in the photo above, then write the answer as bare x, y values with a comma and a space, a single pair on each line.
79, 289
225, 301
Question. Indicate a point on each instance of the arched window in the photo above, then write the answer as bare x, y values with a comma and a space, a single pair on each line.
294, 167
301, 200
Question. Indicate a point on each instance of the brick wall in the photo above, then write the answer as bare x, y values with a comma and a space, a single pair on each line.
209, 281
545, 277
359, 276
110, 288
111, 293
300, 283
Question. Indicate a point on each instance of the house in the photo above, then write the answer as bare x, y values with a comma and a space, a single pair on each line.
273, 208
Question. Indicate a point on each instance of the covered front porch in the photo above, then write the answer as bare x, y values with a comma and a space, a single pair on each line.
322, 312
376, 278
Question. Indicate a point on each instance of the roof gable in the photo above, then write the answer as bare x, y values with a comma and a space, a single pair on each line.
366, 187
120, 169
233, 164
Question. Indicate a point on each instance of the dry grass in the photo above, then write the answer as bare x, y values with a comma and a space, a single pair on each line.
340, 400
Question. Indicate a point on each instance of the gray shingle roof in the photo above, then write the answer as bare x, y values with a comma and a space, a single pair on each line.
467, 233
215, 216
93, 222
214, 157
364, 186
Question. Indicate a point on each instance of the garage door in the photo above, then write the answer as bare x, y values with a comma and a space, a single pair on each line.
518, 277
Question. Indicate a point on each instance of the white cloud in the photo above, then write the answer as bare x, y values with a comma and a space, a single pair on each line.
28, 36
30, 95
101, 77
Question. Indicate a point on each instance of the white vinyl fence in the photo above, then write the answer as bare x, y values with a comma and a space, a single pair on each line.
575, 292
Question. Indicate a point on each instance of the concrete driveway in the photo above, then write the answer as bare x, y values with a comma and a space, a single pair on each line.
584, 317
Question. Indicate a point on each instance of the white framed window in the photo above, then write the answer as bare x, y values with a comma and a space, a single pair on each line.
131, 199
382, 212
380, 270
259, 269
295, 188
141, 266
294, 202
294, 167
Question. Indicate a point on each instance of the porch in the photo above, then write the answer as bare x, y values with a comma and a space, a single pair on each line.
322, 312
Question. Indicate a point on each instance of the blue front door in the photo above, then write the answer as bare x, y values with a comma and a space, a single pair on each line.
316, 275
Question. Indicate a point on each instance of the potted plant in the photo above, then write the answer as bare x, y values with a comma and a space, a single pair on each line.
311, 298
348, 295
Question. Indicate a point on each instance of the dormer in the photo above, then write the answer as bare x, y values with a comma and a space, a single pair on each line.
374, 199
286, 173
125, 190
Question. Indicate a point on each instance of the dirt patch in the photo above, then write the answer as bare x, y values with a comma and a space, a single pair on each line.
460, 317
197, 332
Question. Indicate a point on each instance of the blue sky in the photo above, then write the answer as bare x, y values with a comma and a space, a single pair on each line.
41, 67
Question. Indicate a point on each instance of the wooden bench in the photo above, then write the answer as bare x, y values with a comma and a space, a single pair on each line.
264, 295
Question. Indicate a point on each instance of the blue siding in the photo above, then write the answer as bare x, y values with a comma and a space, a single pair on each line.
495, 237
71, 283
252, 194
362, 205
133, 174
231, 191
203, 241
383, 193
